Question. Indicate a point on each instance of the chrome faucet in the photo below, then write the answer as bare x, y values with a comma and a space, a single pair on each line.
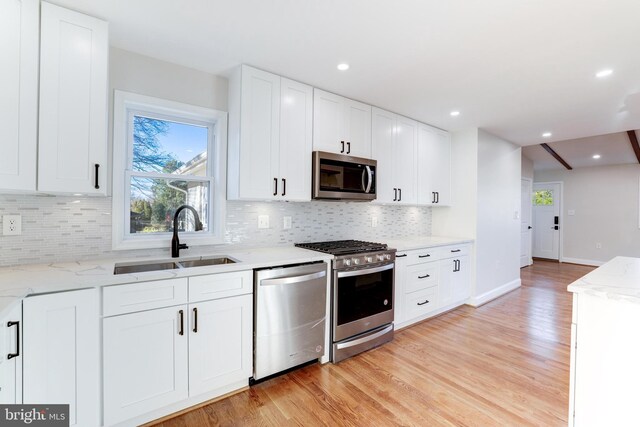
175, 242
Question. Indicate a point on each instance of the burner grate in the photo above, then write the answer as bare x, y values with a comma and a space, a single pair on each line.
338, 247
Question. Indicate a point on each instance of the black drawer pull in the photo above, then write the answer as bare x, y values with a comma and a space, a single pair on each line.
195, 320
401, 256
97, 185
455, 250
17, 353
424, 256
423, 303
181, 315
424, 277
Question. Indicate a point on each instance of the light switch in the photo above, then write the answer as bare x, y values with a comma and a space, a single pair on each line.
374, 221
286, 223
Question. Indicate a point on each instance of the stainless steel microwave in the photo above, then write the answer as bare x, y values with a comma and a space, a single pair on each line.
340, 177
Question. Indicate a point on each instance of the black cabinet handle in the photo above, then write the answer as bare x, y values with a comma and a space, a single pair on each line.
456, 265
433, 197
395, 194
437, 197
348, 148
455, 250
423, 303
423, 277
97, 185
342, 142
529, 227
17, 353
275, 188
399, 194
401, 256
195, 320
284, 186
424, 256
181, 315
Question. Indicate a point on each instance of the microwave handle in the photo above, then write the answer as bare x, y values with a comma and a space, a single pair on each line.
366, 188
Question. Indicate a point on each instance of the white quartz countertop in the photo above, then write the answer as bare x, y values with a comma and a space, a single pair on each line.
20, 281
617, 279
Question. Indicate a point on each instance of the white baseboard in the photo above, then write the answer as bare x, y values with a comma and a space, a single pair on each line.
583, 261
477, 301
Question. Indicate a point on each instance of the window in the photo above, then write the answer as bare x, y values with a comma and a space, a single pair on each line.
166, 154
543, 198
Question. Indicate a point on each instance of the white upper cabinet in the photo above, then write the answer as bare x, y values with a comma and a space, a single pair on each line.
270, 131
434, 166
394, 140
73, 102
341, 125
19, 94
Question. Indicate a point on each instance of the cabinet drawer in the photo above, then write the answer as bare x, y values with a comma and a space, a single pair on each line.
420, 303
455, 250
421, 276
214, 286
143, 296
421, 255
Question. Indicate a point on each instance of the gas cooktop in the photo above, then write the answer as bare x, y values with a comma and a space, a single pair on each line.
342, 247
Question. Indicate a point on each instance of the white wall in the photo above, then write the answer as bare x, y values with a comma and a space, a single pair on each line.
527, 167
498, 234
605, 201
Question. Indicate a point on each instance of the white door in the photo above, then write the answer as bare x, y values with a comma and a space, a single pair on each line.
296, 132
546, 220
328, 111
357, 128
11, 357
525, 227
260, 134
220, 343
145, 362
61, 362
383, 129
404, 158
19, 21
73, 102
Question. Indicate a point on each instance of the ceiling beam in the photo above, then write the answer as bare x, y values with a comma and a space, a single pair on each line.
556, 156
633, 139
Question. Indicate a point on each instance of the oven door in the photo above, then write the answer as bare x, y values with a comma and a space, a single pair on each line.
362, 300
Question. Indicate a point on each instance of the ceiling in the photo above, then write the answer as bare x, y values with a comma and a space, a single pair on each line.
614, 149
514, 68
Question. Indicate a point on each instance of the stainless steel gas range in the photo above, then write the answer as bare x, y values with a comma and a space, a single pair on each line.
362, 295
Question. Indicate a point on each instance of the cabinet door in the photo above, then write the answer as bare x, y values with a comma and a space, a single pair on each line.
461, 280
259, 134
296, 133
11, 368
383, 125
73, 102
357, 128
434, 166
404, 159
220, 343
328, 111
145, 362
19, 88
61, 353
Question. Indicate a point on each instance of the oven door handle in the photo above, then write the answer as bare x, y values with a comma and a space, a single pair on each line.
365, 271
367, 172
347, 344
292, 279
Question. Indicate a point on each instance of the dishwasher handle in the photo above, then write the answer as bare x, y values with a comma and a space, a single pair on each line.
292, 279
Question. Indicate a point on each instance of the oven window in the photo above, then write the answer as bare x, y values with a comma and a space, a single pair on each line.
364, 296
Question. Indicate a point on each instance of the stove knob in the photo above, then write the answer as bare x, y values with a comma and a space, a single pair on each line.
347, 262
369, 259
387, 257
356, 261
380, 257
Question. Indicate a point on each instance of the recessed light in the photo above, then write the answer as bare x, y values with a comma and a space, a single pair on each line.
546, 134
343, 66
596, 156
604, 73
455, 113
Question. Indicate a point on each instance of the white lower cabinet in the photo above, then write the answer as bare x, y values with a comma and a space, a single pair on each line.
61, 362
454, 280
145, 362
165, 359
11, 357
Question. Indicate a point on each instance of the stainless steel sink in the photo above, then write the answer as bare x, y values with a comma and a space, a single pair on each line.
202, 262
139, 267
142, 266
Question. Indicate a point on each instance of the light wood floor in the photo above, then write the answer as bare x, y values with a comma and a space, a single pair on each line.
503, 364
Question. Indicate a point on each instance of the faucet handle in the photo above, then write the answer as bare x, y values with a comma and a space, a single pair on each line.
183, 246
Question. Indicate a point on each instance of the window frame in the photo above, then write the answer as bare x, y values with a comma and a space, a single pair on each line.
125, 106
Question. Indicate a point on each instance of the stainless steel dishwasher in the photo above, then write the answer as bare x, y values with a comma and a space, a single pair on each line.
290, 313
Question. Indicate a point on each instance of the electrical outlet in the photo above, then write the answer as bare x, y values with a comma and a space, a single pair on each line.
263, 221
598, 245
12, 225
286, 222
374, 221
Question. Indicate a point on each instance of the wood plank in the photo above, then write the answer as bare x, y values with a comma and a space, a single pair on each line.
633, 138
556, 155
504, 363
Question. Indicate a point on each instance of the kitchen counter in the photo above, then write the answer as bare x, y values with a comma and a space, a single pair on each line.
412, 243
617, 279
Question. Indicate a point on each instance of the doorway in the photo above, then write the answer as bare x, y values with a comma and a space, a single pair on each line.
525, 224
547, 208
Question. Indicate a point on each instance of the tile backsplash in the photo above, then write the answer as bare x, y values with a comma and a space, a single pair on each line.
59, 229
